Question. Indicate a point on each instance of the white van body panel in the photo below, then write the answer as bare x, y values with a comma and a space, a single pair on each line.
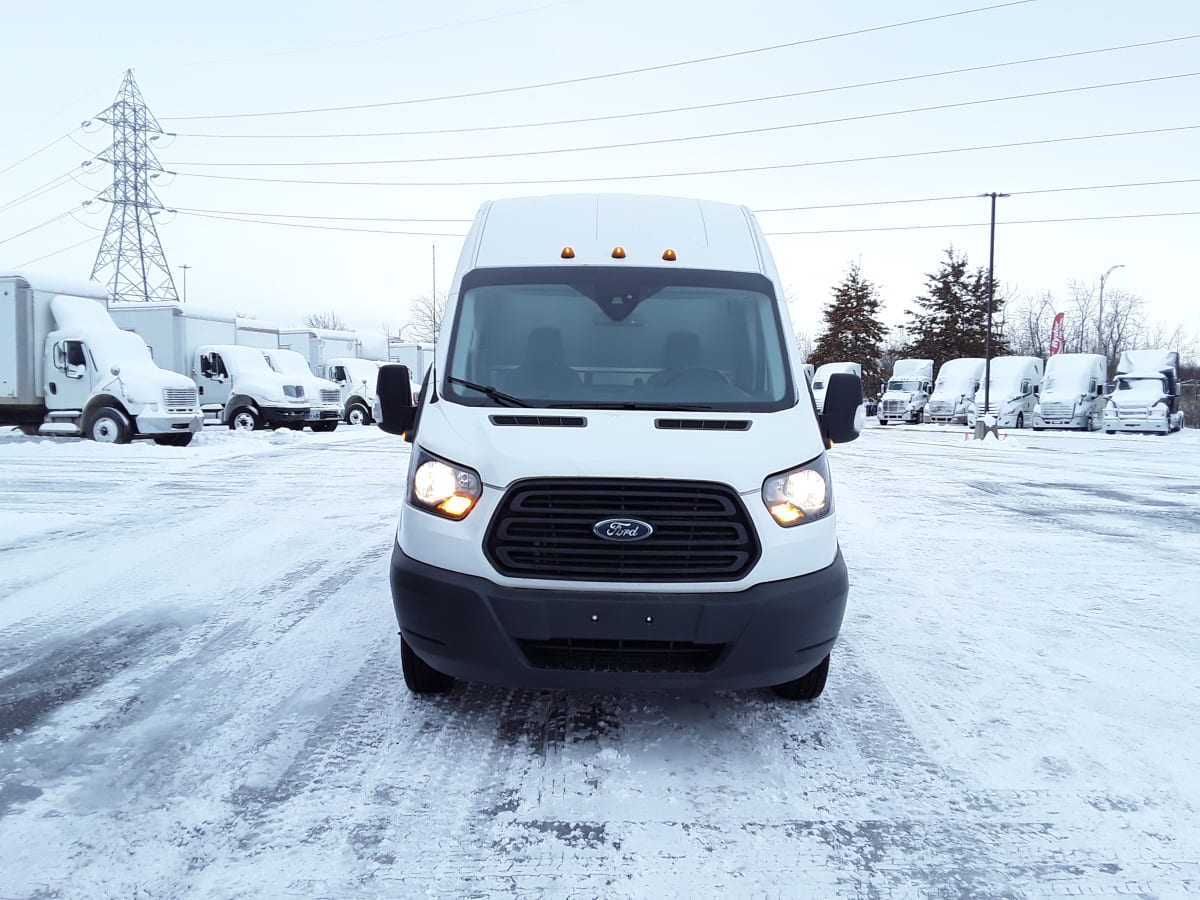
954, 391
1013, 392
1072, 392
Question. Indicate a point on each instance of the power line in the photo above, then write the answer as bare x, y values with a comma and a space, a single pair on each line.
984, 224
319, 227
12, 166
741, 132
42, 225
695, 108
30, 262
587, 78
234, 212
52, 184
737, 170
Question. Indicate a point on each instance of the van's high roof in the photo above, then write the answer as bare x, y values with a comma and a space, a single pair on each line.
533, 231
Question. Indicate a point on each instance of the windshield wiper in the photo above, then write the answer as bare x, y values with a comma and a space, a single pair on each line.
492, 393
627, 404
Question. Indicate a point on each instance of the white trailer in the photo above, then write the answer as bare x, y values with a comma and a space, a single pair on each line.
418, 357
1011, 393
954, 391
820, 378
236, 385
253, 333
1072, 393
356, 380
66, 368
319, 345
325, 397
907, 392
1145, 395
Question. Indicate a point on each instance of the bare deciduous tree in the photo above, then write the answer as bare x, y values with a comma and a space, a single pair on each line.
425, 320
329, 321
1028, 323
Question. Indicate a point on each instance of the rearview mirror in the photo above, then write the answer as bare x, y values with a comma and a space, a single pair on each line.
842, 414
394, 388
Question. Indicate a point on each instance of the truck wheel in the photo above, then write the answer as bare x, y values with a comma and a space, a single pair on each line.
328, 425
1106, 431
806, 687
357, 414
421, 677
30, 430
245, 419
173, 440
108, 426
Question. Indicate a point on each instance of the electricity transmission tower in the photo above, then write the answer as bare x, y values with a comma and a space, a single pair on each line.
131, 261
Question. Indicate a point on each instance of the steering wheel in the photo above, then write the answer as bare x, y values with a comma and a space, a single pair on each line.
690, 373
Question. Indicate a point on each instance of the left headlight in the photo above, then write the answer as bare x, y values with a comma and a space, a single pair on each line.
444, 488
799, 495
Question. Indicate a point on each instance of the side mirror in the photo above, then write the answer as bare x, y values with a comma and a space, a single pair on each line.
842, 414
394, 387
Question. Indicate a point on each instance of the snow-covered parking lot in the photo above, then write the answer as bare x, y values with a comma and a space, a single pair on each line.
200, 692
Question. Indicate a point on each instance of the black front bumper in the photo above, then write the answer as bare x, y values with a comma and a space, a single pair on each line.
475, 630
274, 416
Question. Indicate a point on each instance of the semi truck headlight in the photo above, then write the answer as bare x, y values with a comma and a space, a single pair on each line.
798, 495
444, 488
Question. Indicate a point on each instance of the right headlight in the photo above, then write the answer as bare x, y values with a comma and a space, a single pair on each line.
799, 495
444, 488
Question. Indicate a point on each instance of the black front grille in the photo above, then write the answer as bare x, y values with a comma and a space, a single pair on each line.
703, 424
543, 529
583, 655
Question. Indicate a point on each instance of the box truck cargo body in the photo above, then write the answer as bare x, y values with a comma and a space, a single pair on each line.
618, 477
319, 345
67, 368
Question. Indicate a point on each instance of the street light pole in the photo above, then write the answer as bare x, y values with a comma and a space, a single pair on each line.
987, 342
185, 267
1100, 316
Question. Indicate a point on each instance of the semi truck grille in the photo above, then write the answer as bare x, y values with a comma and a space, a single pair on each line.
941, 408
179, 400
1057, 410
586, 655
543, 529
329, 395
894, 407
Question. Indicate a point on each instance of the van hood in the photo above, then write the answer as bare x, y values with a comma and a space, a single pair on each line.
617, 444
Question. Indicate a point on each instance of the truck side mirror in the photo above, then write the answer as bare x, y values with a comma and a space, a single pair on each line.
394, 388
842, 413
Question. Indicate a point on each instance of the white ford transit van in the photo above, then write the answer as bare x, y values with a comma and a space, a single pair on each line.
618, 476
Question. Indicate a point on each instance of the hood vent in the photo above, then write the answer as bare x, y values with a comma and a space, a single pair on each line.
541, 421
703, 424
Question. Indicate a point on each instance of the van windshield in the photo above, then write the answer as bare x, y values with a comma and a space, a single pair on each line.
628, 338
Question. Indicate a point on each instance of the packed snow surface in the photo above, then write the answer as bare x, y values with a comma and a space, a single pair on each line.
200, 692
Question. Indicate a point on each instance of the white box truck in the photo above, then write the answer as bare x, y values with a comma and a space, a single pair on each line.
820, 378
319, 345
1072, 393
618, 478
1011, 393
236, 385
254, 333
66, 368
954, 391
355, 379
907, 392
418, 357
324, 397
1145, 394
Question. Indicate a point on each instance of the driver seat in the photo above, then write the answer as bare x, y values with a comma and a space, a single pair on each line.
681, 351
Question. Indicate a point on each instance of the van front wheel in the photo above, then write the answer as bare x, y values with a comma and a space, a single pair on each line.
806, 687
421, 677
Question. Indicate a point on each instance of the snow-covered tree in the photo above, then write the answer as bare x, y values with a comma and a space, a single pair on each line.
951, 319
852, 329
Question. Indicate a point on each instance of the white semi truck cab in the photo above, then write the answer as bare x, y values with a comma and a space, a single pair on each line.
325, 398
1009, 392
1072, 393
953, 396
66, 368
618, 478
907, 392
1145, 395
239, 389
820, 378
355, 379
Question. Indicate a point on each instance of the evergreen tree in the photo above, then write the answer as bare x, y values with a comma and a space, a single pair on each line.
951, 322
853, 332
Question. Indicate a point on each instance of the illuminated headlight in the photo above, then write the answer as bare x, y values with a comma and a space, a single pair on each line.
444, 488
798, 495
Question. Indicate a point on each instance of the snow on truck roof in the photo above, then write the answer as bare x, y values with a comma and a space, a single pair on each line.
52, 283
532, 231
1074, 364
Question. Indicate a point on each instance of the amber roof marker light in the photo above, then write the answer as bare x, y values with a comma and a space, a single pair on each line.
568, 253
618, 253
669, 255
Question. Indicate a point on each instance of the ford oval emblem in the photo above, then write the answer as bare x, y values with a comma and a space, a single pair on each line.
623, 530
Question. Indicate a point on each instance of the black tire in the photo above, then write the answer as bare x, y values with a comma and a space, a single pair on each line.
806, 687
30, 429
1106, 431
245, 419
327, 425
421, 677
108, 426
173, 440
357, 414
1020, 420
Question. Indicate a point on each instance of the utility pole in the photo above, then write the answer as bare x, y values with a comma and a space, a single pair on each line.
1100, 317
185, 267
433, 247
987, 341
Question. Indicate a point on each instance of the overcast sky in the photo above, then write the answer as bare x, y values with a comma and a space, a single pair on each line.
218, 76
